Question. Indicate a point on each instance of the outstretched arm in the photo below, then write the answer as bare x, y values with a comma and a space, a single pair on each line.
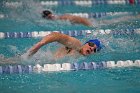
86, 22
55, 37
76, 19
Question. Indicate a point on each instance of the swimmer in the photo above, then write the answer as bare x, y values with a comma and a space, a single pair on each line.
73, 19
71, 45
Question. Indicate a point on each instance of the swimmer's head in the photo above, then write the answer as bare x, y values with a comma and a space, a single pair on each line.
96, 42
91, 46
47, 14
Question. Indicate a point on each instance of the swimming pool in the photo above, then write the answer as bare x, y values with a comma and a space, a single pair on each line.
122, 43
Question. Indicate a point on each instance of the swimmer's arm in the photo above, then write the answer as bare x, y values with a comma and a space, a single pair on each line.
47, 39
54, 37
76, 19
81, 20
86, 22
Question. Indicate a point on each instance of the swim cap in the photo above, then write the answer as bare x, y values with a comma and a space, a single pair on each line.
96, 42
45, 13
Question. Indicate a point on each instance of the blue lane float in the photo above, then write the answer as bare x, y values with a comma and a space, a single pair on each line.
73, 33
19, 69
17, 35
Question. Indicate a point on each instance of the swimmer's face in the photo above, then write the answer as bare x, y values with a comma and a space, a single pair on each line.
50, 17
88, 48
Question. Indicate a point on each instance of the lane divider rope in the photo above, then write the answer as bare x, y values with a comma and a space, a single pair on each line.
93, 15
73, 33
77, 2
10, 69
89, 2
102, 14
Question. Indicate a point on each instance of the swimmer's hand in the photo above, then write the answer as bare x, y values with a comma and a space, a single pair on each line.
31, 53
29, 56
34, 49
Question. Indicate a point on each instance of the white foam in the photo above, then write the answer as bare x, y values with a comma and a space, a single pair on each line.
107, 31
137, 31
102, 31
25, 56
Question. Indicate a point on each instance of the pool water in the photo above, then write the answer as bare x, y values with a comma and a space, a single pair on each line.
99, 81
26, 18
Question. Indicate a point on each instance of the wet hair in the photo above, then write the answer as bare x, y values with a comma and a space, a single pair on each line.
45, 13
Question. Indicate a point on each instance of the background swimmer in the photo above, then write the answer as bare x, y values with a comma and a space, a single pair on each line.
73, 19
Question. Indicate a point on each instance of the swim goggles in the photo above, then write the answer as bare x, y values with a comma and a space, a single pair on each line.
92, 45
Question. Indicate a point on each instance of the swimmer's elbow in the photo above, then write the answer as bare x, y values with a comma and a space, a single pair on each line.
88, 23
54, 37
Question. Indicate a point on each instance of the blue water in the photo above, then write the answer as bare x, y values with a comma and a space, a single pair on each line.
107, 81
117, 47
